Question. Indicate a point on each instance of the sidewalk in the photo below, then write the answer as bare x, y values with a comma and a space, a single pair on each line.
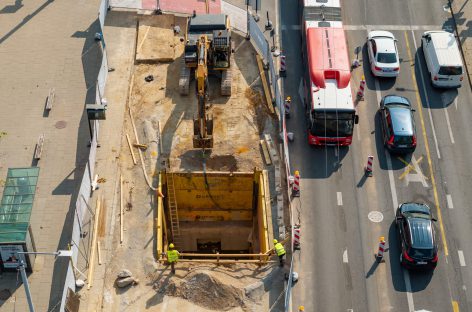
462, 13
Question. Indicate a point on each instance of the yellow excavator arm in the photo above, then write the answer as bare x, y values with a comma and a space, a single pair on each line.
202, 124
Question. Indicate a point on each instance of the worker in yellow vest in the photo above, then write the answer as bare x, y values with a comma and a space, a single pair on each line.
172, 257
280, 251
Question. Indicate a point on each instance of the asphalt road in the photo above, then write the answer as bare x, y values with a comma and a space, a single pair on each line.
336, 263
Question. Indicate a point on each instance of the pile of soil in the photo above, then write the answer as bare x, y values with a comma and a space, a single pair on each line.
206, 291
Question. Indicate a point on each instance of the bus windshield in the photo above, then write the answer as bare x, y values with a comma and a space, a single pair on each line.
333, 124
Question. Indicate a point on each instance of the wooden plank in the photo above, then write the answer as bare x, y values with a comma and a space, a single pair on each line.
270, 229
99, 253
94, 242
131, 149
265, 152
121, 209
50, 99
39, 147
264, 84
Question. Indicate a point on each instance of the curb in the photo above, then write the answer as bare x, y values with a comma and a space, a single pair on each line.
460, 44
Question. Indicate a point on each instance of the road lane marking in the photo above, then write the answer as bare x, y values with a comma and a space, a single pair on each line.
290, 27
449, 201
393, 190
455, 306
410, 167
426, 143
345, 258
340, 198
448, 124
409, 294
455, 102
461, 258
392, 27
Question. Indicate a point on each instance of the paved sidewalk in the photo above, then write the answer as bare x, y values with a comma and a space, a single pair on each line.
46, 44
462, 12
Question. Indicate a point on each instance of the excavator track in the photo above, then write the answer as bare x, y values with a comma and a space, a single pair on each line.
184, 80
226, 82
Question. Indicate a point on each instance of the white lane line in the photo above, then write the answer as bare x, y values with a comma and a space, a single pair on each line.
448, 124
340, 198
455, 102
449, 201
239, 45
426, 97
345, 258
391, 178
392, 27
409, 294
461, 258
393, 191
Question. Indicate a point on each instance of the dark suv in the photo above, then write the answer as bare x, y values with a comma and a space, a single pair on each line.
398, 124
417, 236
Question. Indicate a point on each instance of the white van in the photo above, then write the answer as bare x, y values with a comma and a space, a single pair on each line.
443, 59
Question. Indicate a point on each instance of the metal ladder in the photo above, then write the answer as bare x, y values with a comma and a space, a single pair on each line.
174, 216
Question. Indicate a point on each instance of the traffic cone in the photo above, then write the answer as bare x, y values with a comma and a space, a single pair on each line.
379, 255
368, 167
360, 93
283, 66
296, 237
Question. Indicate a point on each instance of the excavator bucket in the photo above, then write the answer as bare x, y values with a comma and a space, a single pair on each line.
199, 139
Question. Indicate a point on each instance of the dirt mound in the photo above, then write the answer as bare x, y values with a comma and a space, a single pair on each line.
206, 291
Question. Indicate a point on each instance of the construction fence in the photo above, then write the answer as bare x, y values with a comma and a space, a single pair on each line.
270, 59
82, 207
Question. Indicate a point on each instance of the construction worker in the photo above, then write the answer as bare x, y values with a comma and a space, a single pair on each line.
280, 251
172, 257
287, 104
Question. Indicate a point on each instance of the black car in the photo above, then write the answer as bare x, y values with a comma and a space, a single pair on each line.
415, 227
398, 124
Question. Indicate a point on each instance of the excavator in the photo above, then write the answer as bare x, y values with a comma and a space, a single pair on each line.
216, 28
203, 123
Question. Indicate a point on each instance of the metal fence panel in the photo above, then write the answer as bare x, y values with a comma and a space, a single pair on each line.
261, 44
237, 16
102, 13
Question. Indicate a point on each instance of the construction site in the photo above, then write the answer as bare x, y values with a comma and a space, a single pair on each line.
198, 158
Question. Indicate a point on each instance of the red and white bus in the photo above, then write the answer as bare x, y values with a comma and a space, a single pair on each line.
328, 98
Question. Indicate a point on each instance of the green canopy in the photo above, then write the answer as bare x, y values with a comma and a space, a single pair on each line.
17, 202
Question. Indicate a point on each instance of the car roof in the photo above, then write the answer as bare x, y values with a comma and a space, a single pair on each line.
402, 122
421, 233
384, 41
446, 47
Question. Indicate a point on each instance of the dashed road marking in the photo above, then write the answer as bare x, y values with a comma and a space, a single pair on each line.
345, 257
461, 258
450, 205
449, 128
392, 27
455, 306
340, 198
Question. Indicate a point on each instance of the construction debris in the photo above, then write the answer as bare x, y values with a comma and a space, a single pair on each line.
124, 282
124, 273
141, 146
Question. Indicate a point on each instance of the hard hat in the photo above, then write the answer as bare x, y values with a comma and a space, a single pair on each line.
289, 98
301, 308
275, 241
171, 245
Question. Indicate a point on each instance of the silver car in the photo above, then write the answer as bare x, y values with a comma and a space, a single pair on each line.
383, 54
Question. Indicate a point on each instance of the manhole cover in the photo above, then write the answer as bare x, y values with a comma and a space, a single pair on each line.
5, 294
60, 124
375, 216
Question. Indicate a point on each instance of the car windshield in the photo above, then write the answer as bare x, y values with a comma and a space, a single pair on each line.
450, 70
388, 58
421, 253
403, 139
333, 124
416, 214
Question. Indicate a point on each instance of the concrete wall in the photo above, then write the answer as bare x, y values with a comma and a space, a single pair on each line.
220, 197
232, 234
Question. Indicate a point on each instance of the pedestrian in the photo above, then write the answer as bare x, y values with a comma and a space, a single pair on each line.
280, 251
172, 257
287, 104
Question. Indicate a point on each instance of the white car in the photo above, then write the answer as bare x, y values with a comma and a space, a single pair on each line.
383, 54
